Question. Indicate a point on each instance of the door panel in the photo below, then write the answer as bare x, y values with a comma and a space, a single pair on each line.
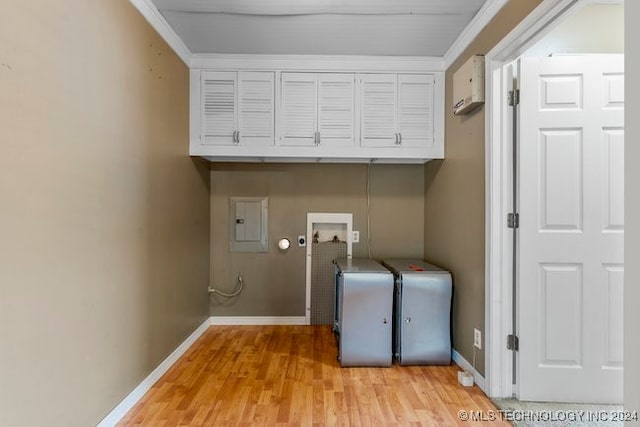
571, 164
561, 92
613, 88
561, 288
614, 173
613, 300
561, 204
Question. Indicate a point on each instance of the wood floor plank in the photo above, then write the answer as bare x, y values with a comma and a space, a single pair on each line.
290, 376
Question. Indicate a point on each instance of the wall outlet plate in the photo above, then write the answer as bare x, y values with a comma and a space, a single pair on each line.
465, 378
477, 339
355, 236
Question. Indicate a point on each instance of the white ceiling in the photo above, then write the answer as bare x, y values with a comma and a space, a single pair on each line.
319, 27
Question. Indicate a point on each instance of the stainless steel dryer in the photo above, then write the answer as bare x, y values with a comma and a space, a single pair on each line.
364, 310
422, 312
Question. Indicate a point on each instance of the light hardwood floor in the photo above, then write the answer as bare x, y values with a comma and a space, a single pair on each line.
289, 376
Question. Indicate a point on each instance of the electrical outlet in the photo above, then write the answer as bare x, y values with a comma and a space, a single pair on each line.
355, 237
477, 338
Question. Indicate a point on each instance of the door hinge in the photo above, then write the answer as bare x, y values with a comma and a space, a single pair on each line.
514, 97
513, 220
512, 342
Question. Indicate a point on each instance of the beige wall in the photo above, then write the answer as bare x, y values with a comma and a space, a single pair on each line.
594, 28
275, 282
455, 199
104, 219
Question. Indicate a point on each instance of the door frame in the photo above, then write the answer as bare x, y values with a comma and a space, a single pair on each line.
499, 366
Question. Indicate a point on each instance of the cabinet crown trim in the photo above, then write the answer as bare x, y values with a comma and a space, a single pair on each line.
329, 63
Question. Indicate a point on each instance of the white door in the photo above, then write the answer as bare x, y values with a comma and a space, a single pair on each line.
571, 229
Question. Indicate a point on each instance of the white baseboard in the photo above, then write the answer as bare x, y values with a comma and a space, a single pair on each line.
132, 398
258, 320
129, 402
462, 362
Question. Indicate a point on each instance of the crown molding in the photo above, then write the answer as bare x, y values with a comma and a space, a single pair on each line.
479, 21
334, 63
289, 8
157, 21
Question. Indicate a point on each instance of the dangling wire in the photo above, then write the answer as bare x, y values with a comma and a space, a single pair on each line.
369, 209
232, 294
473, 364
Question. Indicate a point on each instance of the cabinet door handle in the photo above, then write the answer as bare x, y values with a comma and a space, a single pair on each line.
237, 137
399, 138
396, 135
318, 138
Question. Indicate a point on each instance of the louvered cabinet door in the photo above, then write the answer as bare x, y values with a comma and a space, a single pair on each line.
255, 108
415, 110
336, 106
219, 105
378, 110
298, 115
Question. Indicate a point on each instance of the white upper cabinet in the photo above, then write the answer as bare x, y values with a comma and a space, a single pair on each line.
397, 110
237, 108
317, 109
307, 109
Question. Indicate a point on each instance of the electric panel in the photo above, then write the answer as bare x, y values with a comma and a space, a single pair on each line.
248, 224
